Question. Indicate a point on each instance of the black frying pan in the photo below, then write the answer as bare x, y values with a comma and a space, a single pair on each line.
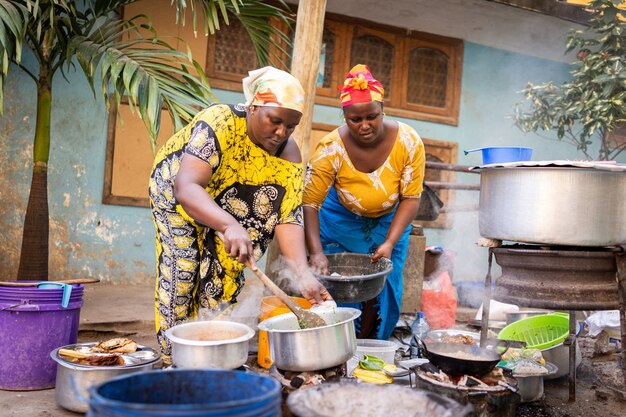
458, 359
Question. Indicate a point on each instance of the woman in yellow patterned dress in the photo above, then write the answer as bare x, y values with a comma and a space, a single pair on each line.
220, 189
361, 193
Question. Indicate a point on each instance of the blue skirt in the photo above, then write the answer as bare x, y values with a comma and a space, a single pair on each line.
343, 231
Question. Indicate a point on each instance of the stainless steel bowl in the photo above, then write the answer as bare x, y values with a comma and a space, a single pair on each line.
295, 349
73, 381
209, 344
530, 387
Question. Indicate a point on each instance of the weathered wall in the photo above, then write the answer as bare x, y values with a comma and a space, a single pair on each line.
115, 243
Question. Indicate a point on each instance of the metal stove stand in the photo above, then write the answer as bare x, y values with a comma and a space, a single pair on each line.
534, 283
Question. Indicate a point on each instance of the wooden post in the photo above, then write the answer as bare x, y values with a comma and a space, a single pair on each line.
305, 63
304, 66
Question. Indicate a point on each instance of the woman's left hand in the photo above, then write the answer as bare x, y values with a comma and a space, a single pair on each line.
383, 251
313, 290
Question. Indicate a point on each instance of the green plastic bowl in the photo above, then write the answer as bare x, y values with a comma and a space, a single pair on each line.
539, 332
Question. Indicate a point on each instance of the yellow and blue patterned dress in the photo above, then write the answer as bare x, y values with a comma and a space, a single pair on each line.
258, 189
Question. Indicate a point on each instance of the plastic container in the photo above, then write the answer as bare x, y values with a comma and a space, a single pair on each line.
183, 392
503, 154
382, 349
271, 306
33, 322
539, 332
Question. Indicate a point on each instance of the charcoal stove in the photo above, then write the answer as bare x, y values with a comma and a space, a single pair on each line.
291, 380
492, 395
562, 278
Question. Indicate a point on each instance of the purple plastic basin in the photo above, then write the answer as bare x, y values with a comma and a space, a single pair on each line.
33, 323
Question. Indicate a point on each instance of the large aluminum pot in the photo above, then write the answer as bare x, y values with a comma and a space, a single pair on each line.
295, 349
209, 344
557, 205
73, 381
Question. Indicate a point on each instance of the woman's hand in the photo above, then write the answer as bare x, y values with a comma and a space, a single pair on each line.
383, 251
319, 263
238, 244
313, 290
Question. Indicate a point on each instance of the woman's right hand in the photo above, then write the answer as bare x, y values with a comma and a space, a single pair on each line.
238, 244
319, 263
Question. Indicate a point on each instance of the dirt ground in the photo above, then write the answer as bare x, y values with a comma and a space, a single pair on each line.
600, 388
112, 311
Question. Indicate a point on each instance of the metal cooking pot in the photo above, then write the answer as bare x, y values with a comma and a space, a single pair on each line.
459, 359
73, 381
577, 204
295, 349
359, 278
209, 344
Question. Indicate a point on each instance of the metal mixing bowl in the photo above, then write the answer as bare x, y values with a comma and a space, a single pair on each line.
295, 349
359, 279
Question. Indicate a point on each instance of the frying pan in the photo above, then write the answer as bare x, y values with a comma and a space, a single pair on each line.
458, 359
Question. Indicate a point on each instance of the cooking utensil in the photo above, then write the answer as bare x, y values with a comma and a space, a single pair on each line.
458, 359
295, 349
359, 279
36, 283
215, 344
521, 203
306, 319
73, 381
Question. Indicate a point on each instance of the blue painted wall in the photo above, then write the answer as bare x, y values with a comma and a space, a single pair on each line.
89, 239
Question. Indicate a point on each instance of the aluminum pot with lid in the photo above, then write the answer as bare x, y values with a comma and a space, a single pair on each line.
553, 202
73, 381
295, 349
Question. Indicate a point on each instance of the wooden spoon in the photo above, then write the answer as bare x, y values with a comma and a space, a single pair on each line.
306, 319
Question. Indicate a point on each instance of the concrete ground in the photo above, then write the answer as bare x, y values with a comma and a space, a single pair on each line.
108, 311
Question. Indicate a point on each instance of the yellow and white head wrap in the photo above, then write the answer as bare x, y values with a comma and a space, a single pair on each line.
269, 86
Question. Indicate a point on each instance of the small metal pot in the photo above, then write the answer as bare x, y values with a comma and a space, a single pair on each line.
295, 349
530, 387
210, 344
73, 381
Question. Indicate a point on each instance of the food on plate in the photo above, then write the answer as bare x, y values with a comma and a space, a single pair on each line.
116, 345
92, 359
372, 369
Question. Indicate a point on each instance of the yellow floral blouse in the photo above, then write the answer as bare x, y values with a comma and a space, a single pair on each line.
367, 194
260, 190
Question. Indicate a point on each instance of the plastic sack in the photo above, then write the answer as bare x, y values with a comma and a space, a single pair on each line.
439, 302
604, 320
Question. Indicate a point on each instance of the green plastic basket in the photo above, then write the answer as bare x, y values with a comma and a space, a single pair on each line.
539, 332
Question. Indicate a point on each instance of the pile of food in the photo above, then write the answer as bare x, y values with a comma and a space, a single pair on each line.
107, 353
524, 362
459, 339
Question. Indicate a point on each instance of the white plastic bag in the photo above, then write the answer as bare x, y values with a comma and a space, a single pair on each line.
604, 320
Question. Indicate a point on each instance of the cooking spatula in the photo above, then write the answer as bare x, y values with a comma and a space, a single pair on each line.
306, 319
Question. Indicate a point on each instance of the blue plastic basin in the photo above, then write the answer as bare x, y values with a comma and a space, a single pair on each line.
503, 154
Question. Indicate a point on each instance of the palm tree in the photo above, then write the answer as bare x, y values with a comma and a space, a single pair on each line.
132, 61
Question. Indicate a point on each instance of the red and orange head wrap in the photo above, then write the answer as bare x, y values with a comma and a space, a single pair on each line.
360, 86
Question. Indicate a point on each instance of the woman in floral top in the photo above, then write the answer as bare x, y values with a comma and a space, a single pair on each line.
220, 189
361, 193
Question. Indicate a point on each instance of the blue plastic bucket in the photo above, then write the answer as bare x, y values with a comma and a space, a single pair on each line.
33, 322
503, 154
187, 392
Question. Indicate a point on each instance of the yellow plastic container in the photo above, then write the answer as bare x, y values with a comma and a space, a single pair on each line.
271, 306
